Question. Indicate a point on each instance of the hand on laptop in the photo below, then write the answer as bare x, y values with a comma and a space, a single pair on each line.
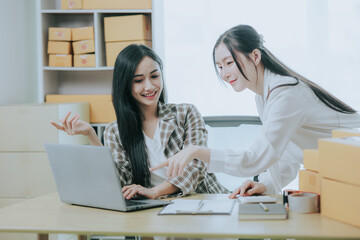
135, 191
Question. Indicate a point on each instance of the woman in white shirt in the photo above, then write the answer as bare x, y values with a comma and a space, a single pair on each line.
295, 113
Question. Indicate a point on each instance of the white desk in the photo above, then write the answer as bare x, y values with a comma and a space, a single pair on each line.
47, 214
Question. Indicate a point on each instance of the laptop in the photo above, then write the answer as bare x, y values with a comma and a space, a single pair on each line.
87, 176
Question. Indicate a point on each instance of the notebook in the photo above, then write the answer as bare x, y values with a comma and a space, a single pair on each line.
87, 176
198, 207
257, 212
257, 199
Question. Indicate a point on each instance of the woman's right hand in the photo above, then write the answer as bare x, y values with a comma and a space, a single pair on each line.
73, 126
248, 188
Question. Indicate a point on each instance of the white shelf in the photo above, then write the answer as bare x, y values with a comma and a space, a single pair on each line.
127, 11
75, 80
46, 68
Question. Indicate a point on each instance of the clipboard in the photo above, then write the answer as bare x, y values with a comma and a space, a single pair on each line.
198, 207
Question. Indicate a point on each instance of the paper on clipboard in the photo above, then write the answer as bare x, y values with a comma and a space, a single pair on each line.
198, 207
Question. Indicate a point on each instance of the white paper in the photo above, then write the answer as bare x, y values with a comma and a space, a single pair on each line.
188, 206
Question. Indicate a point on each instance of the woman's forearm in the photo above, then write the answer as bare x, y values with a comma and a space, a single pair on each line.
164, 188
93, 138
201, 153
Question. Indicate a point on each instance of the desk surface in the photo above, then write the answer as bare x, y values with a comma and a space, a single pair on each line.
46, 214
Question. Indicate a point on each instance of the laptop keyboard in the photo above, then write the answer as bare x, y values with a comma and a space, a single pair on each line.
130, 203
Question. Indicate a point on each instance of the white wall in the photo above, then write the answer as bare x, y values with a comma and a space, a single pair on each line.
18, 75
319, 39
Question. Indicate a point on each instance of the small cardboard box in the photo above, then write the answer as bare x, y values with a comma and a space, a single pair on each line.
311, 159
84, 60
71, 4
117, 4
82, 33
59, 34
309, 181
85, 46
60, 60
58, 47
101, 107
339, 159
113, 49
340, 201
345, 132
127, 28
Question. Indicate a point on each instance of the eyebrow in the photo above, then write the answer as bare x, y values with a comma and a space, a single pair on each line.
140, 75
224, 59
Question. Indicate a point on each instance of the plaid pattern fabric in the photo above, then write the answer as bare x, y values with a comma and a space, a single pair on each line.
181, 125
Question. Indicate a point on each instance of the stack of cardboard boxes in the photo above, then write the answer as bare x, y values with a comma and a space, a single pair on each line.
83, 46
60, 51
309, 178
337, 162
122, 31
59, 47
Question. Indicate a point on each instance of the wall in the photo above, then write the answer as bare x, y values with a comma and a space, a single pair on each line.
18, 75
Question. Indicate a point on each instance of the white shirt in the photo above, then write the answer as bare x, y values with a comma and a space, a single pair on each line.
156, 156
293, 119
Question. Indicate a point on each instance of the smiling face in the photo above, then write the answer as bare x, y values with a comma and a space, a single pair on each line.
229, 71
147, 83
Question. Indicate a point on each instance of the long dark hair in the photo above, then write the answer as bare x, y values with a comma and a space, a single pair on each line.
244, 39
128, 114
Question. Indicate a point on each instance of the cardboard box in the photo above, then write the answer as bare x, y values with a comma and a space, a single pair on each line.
82, 33
71, 4
340, 201
311, 159
60, 60
85, 46
101, 107
340, 159
59, 34
21, 166
309, 181
113, 49
58, 47
127, 28
85, 60
345, 132
117, 4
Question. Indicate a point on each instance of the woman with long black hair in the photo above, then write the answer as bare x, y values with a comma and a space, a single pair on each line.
294, 111
148, 130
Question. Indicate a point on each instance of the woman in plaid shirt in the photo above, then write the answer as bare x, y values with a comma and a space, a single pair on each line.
148, 131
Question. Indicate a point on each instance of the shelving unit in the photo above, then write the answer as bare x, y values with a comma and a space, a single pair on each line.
75, 80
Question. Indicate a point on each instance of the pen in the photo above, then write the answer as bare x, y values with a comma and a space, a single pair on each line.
263, 207
201, 203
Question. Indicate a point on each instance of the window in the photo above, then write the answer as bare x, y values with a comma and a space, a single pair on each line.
319, 39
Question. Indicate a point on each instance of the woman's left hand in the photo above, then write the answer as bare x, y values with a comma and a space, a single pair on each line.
248, 188
135, 190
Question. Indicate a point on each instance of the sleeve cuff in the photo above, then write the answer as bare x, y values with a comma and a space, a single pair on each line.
265, 179
217, 161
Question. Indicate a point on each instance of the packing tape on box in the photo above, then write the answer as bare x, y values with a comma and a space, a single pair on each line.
303, 202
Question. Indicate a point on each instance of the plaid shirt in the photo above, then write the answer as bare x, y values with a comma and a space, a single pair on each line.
181, 125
